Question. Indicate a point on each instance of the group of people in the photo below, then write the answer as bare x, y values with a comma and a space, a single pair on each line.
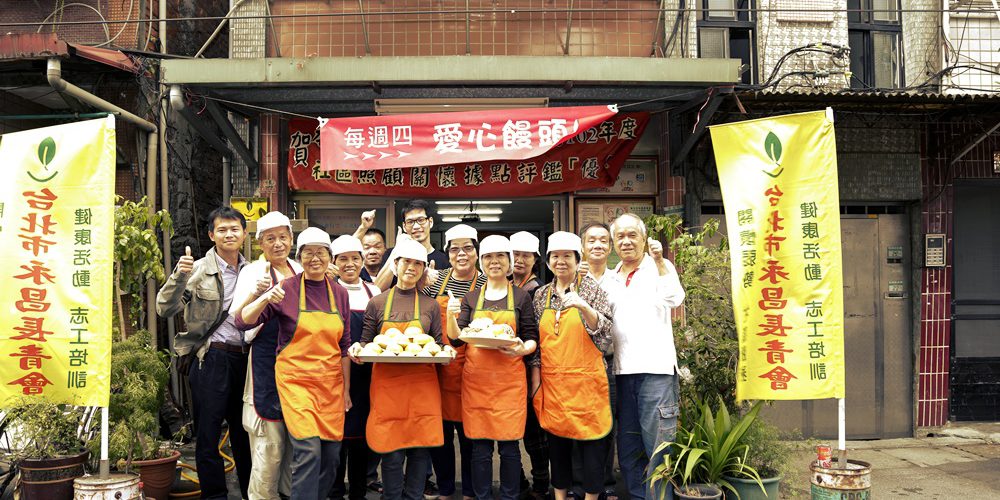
272, 347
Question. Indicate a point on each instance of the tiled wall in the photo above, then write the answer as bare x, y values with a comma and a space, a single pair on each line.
325, 28
942, 144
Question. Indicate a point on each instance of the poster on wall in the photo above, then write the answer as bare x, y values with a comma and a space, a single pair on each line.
606, 210
636, 177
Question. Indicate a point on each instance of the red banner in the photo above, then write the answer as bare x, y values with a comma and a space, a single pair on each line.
417, 140
591, 159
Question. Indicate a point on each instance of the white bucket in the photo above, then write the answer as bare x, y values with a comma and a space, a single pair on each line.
113, 487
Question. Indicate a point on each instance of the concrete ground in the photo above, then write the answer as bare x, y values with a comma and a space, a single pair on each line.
959, 461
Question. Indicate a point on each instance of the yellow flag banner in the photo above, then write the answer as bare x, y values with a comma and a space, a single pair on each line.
779, 187
56, 235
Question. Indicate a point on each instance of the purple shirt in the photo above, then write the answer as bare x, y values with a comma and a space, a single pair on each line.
227, 332
287, 311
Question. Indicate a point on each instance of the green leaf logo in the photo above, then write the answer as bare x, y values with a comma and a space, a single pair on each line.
772, 146
47, 151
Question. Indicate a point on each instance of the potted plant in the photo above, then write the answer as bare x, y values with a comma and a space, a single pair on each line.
49, 451
138, 379
707, 449
768, 457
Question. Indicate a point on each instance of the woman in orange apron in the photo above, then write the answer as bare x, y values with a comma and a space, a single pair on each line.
460, 279
405, 418
311, 370
354, 453
494, 385
571, 398
525, 247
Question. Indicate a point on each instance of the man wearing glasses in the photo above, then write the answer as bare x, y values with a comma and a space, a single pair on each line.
417, 224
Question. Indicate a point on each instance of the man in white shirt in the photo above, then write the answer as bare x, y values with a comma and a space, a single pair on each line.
645, 357
262, 418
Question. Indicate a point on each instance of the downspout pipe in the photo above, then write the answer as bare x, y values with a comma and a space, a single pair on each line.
53, 74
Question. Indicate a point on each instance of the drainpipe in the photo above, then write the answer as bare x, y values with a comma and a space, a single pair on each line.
54, 75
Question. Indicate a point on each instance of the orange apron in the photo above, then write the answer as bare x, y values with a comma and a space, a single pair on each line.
450, 375
573, 401
309, 374
494, 384
405, 398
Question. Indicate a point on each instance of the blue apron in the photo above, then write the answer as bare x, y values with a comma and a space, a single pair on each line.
361, 378
262, 356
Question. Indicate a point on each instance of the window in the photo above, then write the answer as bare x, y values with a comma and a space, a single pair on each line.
726, 30
875, 38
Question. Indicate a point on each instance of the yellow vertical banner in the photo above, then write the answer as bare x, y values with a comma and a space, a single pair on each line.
56, 235
779, 186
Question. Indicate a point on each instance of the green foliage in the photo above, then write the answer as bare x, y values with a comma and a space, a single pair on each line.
706, 338
138, 380
768, 453
707, 448
44, 429
137, 250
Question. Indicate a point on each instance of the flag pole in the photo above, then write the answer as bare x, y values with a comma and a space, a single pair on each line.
105, 470
842, 433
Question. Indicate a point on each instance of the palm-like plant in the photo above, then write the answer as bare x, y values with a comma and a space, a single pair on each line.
707, 449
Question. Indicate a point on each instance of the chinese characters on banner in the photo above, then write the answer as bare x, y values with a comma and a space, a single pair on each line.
590, 159
779, 186
415, 140
56, 234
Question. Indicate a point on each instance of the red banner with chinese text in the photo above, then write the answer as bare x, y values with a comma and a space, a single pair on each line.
424, 139
591, 159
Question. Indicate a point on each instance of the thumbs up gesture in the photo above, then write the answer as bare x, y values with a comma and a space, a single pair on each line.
572, 299
431, 272
264, 281
655, 249
454, 304
276, 294
186, 263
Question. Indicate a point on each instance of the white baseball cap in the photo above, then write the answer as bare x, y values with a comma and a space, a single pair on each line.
460, 231
409, 249
346, 243
312, 236
496, 244
524, 241
562, 240
272, 220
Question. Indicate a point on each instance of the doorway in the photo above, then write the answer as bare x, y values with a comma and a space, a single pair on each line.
877, 336
975, 358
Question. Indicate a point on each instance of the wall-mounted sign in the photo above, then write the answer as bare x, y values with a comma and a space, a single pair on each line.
251, 208
637, 177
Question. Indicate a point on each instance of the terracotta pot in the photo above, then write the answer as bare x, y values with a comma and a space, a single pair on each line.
51, 478
157, 475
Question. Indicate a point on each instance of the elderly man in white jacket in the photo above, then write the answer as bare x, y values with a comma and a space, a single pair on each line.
262, 417
645, 357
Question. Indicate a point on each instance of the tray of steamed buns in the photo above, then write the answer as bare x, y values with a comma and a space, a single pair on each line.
409, 346
482, 332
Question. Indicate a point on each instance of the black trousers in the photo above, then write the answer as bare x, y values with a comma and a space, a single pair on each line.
594, 454
353, 464
217, 395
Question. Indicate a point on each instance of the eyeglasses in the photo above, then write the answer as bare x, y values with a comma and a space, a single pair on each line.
416, 221
270, 240
310, 255
468, 249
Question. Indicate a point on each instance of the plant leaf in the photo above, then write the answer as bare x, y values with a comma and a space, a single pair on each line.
46, 151
772, 146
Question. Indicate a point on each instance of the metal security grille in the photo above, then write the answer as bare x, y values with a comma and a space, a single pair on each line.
624, 28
